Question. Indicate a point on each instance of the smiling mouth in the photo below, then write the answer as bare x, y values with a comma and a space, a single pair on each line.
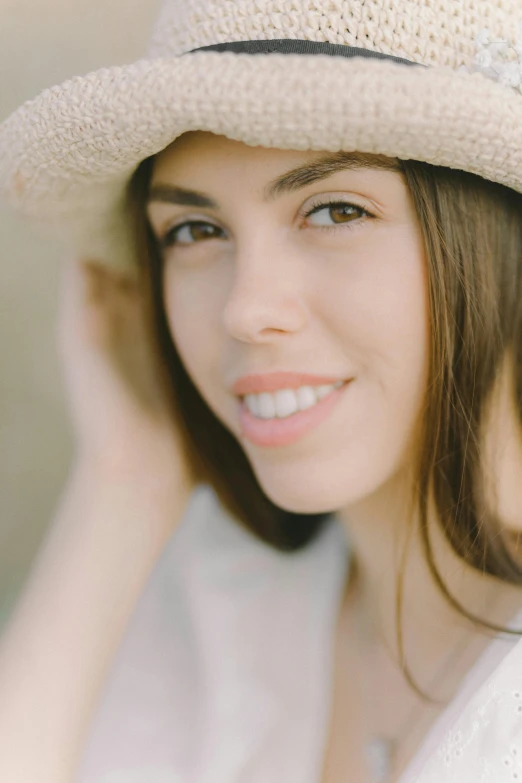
267, 428
284, 403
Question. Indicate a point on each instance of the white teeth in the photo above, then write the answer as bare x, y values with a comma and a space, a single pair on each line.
252, 403
323, 391
306, 397
286, 402
267, 408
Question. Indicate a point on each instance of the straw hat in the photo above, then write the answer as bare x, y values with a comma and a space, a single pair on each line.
432, 80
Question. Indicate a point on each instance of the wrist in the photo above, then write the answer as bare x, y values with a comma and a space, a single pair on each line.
137, 474
153, 502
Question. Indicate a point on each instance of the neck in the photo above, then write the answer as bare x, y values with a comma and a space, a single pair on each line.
439, 644
381, 530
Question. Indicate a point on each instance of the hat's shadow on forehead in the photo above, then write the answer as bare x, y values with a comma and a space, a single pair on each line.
206, 141
280, 171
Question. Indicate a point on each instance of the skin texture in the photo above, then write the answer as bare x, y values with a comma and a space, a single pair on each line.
272, 291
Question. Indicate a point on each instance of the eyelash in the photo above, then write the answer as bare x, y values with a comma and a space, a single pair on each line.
166, 241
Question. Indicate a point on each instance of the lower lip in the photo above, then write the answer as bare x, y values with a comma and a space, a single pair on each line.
283, 432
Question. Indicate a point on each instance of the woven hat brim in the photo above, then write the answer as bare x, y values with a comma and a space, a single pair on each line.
66, 156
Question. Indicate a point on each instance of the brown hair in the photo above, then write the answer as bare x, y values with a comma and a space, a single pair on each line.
472, 230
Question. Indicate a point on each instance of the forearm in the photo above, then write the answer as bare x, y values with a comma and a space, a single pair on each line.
58, 645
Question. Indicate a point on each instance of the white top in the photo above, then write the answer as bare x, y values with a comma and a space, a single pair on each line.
225, 672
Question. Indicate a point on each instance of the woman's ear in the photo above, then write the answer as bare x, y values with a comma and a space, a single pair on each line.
502, 454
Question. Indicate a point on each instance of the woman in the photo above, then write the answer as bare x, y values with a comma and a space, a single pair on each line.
372, 263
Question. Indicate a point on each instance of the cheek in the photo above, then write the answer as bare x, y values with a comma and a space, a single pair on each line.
382, 318
382, 303
191, 322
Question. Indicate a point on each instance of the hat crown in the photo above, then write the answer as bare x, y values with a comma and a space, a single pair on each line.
430, 32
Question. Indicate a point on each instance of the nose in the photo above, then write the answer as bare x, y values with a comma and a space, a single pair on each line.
266, 296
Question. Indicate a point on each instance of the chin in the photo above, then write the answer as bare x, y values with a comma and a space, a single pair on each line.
323, 491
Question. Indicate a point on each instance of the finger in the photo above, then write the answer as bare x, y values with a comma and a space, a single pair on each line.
82, 291
112, 276
94, 279
71, 291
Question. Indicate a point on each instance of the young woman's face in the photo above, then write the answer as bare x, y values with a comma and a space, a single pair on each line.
255, 287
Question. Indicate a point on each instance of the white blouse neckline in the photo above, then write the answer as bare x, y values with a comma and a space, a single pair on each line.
225, 671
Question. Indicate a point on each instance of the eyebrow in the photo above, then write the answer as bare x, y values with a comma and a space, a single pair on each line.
290, 182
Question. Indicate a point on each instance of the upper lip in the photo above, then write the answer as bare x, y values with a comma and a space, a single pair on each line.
256, 384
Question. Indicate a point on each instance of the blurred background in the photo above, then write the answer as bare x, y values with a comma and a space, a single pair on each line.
42, 43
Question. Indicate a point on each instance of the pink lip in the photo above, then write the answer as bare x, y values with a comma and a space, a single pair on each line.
256, 384
284, 432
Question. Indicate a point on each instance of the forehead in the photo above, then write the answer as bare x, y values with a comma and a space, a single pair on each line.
199, 153
204, 143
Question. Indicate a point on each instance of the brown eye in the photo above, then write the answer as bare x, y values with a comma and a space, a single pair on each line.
341, 212
189, 234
